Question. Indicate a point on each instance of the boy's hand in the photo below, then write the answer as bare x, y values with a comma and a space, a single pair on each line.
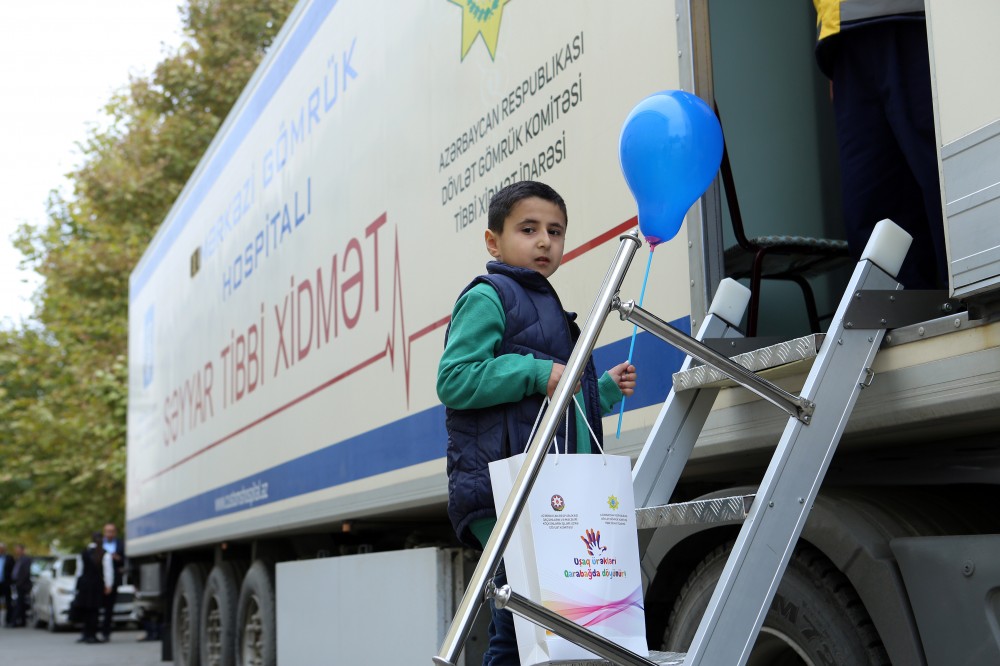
624, 375
554, 377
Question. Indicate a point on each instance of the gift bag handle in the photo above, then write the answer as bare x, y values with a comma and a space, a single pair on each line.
579, 407
538, 418
593, 435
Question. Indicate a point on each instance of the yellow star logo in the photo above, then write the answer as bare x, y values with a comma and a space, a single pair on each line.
480, 17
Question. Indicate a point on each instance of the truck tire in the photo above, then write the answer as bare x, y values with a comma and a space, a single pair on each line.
185, 615
257, 639
815, 619
218, 616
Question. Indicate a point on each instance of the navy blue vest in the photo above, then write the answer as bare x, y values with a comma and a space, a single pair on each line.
536, 324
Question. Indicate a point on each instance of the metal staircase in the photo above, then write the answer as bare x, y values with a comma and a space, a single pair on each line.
773, 518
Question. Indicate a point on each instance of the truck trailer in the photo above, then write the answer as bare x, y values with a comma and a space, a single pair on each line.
286, 484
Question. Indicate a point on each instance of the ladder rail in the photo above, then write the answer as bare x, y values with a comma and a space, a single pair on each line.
671, 439
458, 631
750, 579
793, 405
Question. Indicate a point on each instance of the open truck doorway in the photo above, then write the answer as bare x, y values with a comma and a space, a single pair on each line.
776, 114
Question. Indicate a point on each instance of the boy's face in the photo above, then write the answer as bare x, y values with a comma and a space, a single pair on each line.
534, 236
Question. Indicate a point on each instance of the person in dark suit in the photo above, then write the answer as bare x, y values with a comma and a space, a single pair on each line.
6, 576
92, 587
116, 547
21, 579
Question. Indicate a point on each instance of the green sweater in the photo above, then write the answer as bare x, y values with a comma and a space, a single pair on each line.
472, 375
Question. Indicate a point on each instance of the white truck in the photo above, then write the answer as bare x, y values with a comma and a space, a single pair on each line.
286, 478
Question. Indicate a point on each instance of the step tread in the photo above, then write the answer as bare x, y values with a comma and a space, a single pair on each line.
759, 360
698, 512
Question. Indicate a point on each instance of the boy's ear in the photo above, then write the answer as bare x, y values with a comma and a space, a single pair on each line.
491, 244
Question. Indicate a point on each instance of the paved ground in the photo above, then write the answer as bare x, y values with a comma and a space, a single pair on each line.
38, 647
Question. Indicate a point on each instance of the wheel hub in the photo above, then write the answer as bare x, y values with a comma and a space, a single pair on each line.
184, 620
253, 632
213, 634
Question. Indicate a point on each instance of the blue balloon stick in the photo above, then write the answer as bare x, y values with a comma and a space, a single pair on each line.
635, 329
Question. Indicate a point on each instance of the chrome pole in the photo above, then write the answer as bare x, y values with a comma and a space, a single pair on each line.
793, 405
504, 597
458, 632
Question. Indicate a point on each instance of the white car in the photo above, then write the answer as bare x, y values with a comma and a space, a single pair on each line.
55, 588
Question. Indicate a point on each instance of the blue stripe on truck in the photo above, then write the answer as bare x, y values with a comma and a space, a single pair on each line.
412, 440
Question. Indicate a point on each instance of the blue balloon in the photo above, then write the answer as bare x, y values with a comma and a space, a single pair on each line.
670, 150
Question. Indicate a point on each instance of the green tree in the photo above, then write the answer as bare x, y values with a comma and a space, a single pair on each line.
64, 377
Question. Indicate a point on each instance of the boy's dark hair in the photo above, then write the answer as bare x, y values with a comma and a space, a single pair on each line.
505, 200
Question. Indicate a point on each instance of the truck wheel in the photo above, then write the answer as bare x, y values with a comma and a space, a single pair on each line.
816, 618
257, 640
218, 616
186, 614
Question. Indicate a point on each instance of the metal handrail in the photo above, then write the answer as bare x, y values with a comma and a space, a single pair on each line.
793, 405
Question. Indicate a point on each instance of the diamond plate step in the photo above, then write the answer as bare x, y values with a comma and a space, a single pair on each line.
782, 355
699, 512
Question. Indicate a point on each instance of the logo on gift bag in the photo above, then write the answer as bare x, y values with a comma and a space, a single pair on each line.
557, 503
592, 540
613, 503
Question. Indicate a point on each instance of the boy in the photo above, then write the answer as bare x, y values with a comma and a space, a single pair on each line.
505, 350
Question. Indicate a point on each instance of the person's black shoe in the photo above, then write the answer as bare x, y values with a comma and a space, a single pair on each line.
93, 640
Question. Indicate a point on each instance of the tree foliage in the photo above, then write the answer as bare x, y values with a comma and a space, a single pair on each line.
64, 375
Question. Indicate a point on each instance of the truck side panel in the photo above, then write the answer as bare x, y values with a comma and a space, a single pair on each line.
288, 318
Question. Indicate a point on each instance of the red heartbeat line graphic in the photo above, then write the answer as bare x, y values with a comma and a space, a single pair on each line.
389, 350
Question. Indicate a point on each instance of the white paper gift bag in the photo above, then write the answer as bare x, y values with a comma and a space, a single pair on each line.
575, 551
